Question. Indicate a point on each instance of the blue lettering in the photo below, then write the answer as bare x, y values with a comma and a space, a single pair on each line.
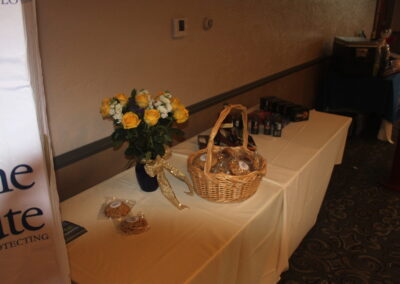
18, 170
2, 234
15, 218
25, 216
28, 169
11, 223
4, 182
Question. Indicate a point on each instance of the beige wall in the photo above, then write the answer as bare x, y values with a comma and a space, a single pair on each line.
299, 87
95, 48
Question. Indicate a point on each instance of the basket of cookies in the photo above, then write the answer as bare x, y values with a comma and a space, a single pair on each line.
226, 174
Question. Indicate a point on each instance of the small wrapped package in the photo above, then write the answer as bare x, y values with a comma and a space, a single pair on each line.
134, 224
117, 208
201, 160
239, 167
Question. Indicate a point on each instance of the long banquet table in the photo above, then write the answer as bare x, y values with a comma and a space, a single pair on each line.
247, 242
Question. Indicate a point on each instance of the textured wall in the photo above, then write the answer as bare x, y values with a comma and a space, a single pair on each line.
95, 48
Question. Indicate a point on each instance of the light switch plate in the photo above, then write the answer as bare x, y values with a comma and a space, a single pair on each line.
179, 27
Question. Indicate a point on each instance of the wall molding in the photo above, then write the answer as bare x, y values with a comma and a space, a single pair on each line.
85, 151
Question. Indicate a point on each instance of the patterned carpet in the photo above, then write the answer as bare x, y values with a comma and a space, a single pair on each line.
357, 235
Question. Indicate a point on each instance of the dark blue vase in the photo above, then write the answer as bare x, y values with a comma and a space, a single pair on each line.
146, 182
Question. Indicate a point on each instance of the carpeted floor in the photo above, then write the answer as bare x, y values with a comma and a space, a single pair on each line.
357, 235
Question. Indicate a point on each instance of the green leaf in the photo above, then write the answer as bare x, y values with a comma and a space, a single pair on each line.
162, 129
167, 139
130, 151
131, 134
133, 93
158, 139
117, 143
141, 141
118, 134
159, 150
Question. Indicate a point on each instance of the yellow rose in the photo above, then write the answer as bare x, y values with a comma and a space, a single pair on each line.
151, 116
130, 120
142, 100
105, 107
122, 98
175, 103
181, 114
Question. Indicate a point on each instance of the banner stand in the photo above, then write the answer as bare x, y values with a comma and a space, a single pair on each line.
32, 246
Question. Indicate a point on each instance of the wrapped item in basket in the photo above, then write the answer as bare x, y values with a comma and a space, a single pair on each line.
236, 172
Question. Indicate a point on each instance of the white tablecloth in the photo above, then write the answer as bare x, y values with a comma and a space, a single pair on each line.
208, 243
301, 162
248, 242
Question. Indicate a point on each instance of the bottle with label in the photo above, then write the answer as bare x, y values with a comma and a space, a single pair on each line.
267, 127
237, 130
254, 124
265, 102
277, 129
237, 121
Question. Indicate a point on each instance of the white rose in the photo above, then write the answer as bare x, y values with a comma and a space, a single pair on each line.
117, 117
164, 115
168, 107
164, 99
162, 109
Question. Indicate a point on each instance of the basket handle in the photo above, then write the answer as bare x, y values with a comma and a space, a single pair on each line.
224, 113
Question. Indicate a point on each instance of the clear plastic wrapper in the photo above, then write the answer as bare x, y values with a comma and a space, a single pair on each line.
239, 167
117, 207
236, 162
134, 224
200, 161
230, 161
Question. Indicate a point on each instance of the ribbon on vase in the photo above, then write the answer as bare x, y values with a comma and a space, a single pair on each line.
156, 168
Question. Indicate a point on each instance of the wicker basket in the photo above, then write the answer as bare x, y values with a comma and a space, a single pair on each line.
221, 187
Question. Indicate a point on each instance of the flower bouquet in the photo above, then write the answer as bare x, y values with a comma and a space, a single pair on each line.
148, 125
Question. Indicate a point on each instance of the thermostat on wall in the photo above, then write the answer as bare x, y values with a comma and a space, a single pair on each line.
179, 27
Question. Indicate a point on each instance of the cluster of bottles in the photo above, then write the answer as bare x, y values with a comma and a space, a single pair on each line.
274, 115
